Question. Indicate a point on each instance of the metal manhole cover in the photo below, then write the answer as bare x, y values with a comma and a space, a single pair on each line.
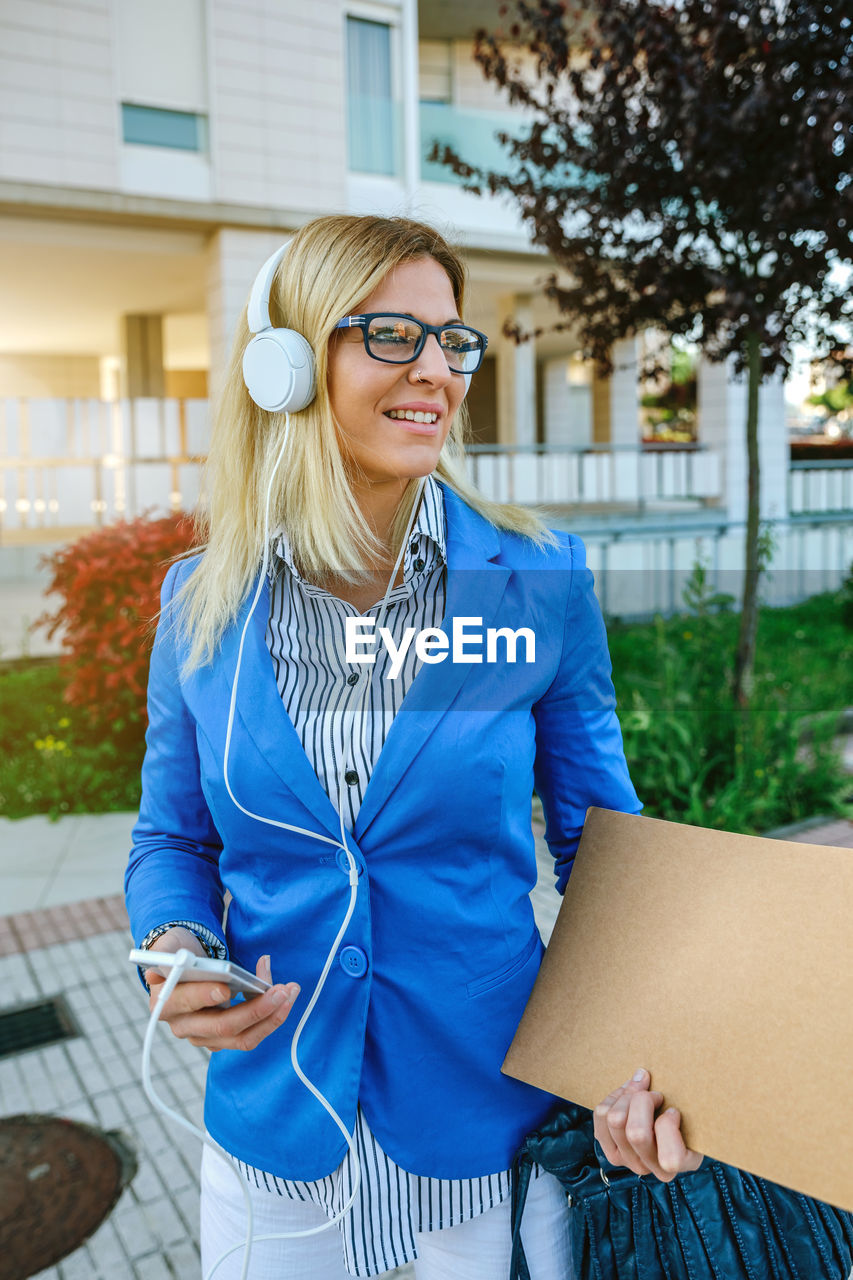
58, 1181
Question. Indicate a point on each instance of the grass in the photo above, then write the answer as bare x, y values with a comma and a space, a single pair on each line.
50, 762
691, 757
805, 652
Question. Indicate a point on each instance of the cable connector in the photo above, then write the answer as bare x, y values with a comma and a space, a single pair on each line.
182, 959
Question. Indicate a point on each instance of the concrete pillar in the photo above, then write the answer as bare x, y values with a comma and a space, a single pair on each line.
722, 427
616, 399
142, 356
234, 259
625, 394
567, 401
516, 374
600, 408
411, 103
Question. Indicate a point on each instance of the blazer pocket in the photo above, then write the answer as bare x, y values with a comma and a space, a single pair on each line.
496, 976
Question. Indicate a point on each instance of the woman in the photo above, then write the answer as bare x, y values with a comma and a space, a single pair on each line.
421, 763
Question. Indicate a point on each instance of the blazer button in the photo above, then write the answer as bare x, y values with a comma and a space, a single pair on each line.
418, 564
343, 862
353, 961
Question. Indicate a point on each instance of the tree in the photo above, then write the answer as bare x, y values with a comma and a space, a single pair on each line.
688, 166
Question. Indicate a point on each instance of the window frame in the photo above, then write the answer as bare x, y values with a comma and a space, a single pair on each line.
387, 16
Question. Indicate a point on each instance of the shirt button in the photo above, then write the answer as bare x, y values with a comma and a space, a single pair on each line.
418, 564
352, 678
350, 777
353, 961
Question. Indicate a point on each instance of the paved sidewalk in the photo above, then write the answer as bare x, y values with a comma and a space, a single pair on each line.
58, 936
50, 864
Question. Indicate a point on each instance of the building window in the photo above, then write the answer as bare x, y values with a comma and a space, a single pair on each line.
156, 127
435, 70
373, 115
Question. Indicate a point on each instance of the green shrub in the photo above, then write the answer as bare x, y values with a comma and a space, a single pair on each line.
52, 763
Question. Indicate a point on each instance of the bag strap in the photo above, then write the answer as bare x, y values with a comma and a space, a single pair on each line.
519, 1182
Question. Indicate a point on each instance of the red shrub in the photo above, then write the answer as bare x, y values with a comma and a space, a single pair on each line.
110, 583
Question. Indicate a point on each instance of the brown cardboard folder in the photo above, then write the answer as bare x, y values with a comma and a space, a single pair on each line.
723, 964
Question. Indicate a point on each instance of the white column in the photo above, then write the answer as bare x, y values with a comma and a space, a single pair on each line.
516, 374
625, 394
773, 449
411, 103
234, 259
568, 401
722, 427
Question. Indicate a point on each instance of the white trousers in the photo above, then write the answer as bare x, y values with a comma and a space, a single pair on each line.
478, 1249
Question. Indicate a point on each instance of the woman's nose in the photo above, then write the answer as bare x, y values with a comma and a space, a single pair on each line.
432, 363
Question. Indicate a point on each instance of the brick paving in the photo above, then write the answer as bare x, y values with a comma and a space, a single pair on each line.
152, 1232
32, 930
80, 951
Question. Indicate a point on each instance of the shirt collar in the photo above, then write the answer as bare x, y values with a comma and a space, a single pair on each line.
429, 523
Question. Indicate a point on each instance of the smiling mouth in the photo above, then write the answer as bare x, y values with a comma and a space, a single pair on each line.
411, 415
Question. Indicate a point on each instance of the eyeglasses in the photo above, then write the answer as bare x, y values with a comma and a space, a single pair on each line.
396, 339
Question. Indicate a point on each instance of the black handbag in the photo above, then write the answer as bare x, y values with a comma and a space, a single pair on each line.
718, 1223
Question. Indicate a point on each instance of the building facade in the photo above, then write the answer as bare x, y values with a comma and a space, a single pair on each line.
152, 156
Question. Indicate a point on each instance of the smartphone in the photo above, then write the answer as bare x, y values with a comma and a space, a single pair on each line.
203, 969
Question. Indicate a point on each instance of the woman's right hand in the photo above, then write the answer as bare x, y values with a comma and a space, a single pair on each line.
199, 1012
632, 1134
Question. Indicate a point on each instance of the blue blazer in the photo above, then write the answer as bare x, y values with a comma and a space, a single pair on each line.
446, 948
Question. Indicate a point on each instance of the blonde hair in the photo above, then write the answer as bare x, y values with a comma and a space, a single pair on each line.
331, 266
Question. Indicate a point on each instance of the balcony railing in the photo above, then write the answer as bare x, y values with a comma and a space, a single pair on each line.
565, 475
818, 485
642, 567
71, 465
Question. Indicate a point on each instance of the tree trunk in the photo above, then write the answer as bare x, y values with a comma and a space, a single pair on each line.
745, 657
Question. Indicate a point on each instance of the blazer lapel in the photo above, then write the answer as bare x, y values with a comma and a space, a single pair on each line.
475, 588
261, 714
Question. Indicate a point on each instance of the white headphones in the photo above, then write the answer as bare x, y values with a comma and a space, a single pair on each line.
278, 364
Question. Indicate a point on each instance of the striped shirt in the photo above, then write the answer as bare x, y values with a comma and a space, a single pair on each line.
306, 640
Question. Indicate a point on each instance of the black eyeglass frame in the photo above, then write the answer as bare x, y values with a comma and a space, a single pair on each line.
363, 322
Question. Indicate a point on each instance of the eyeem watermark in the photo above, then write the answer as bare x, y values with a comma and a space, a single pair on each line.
465, 643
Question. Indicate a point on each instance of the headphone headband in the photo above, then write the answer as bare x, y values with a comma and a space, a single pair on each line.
258, 313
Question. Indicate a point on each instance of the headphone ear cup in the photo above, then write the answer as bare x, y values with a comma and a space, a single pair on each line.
278, 370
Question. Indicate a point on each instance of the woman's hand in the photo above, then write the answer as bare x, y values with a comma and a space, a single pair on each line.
629, 1134
195, 1012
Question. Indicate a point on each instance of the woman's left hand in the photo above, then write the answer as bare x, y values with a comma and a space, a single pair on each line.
630, 1135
